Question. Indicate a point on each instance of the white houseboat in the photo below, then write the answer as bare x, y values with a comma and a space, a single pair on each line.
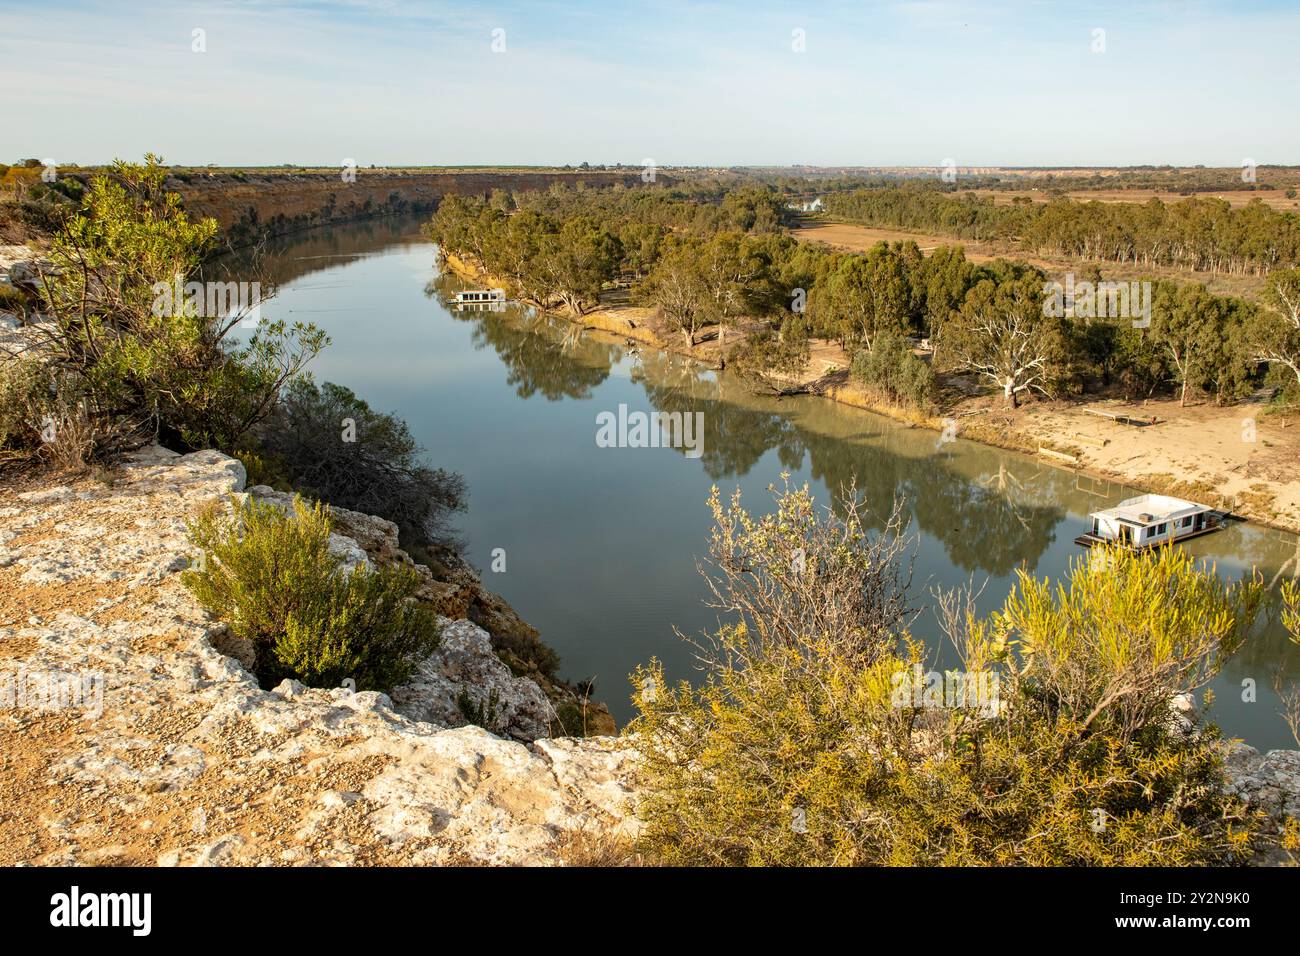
1150, 520
481, 297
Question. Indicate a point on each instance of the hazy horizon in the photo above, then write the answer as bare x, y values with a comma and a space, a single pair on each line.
888, 84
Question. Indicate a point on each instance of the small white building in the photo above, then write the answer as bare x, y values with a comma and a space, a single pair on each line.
1150, 520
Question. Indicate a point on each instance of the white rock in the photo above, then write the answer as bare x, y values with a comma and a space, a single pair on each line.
464, 681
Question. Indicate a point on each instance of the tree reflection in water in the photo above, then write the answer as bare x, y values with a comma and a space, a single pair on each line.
987, 523
542, 355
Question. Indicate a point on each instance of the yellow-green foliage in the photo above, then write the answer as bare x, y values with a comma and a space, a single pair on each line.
147, 356
1291, 609
272, 577
806, 755
263, 469
1123, 633
1289, 691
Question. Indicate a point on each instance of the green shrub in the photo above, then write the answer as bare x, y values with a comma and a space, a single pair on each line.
893, 371
799, 749
272, 578
259, 469
332, 445
775, 359
149, 365
11, 299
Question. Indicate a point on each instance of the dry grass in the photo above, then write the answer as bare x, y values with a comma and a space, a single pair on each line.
593, 847
1274, 198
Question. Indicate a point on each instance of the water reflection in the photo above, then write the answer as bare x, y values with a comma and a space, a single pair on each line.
542, 356
603, 546
989, 522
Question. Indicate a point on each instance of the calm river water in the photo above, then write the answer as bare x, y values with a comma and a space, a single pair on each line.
601, 544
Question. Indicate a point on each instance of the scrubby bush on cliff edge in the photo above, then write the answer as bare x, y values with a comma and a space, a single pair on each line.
272, 578
809, 742
332, 445
140, 364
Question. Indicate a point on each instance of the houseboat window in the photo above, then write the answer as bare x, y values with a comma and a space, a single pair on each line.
1187, 522
1164, 526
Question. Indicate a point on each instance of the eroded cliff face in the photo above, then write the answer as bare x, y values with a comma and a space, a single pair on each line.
253, 205
132, 738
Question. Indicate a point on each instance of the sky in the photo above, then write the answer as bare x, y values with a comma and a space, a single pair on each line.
919, 83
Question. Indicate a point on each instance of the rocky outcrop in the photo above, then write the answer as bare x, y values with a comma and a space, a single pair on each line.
129, 738
1268, 781
496, 671
465, 682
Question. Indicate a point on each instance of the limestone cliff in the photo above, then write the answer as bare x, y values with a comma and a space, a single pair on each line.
130, 738
252, 205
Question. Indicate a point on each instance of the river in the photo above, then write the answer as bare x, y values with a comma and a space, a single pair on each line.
600, 545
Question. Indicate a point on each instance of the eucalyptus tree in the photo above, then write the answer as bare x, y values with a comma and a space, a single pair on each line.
1198, 333
676, 288
1276, 331
941, 282
863, 296
578, 260
735, 272
1002, 334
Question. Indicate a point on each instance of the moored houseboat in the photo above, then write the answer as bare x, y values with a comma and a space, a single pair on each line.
1151, 520
480, 298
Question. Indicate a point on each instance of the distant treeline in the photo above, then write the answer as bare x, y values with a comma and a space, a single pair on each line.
1201, 234
1173, 179
563, 246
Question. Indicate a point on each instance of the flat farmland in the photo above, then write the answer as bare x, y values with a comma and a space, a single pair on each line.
1274, 198
853, 238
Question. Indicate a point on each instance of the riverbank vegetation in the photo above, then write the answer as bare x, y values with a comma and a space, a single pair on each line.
822, 734
122, 343
725, 271
121, 363
329, 444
